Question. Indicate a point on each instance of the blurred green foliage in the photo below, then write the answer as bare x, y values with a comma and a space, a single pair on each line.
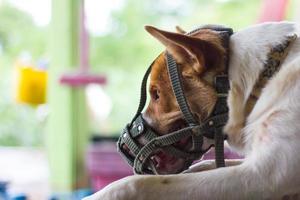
19, 33
123, 53
19, 124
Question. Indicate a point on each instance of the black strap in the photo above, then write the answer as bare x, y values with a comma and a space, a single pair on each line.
219, 28
177, 87
143, 94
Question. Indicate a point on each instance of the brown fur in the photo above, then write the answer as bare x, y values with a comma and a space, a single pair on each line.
200, 58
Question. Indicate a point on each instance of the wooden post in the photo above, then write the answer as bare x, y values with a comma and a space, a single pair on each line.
67, 125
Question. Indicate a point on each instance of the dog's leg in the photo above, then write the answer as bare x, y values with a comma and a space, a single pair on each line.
211, 164
243, 181
238, 182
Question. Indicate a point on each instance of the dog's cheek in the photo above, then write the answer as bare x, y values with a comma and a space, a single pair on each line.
150, 115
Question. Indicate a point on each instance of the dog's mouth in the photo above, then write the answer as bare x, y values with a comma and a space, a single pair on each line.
164, 162
177, 125
185, 143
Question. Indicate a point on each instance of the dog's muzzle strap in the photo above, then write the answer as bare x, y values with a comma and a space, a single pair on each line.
220, 110
178, 90
140, 155
177, 87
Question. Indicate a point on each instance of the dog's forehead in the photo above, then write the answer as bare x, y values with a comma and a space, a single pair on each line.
159, 70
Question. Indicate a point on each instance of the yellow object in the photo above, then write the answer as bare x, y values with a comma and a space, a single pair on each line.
31, 85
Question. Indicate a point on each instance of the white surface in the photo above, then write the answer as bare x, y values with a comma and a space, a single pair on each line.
26, 170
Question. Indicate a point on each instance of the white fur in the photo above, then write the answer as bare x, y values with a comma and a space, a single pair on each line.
270, 135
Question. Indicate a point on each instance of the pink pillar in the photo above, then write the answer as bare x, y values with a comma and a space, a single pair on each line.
82, 76
84, 41
273, 10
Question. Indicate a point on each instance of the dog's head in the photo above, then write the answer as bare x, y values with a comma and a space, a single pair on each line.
200, 57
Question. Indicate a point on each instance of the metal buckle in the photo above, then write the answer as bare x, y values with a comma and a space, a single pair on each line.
222, 85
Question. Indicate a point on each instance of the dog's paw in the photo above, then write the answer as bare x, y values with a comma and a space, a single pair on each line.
204, 165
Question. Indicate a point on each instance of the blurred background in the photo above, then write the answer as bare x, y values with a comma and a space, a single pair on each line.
70, 73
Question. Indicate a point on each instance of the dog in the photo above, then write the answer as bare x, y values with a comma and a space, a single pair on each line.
263, 126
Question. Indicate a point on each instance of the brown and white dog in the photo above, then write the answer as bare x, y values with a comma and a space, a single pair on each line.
268, 134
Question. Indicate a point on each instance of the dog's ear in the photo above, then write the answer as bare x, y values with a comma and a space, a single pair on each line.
204, 54
180, 30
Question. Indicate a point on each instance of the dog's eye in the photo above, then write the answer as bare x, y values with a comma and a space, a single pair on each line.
154, 94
